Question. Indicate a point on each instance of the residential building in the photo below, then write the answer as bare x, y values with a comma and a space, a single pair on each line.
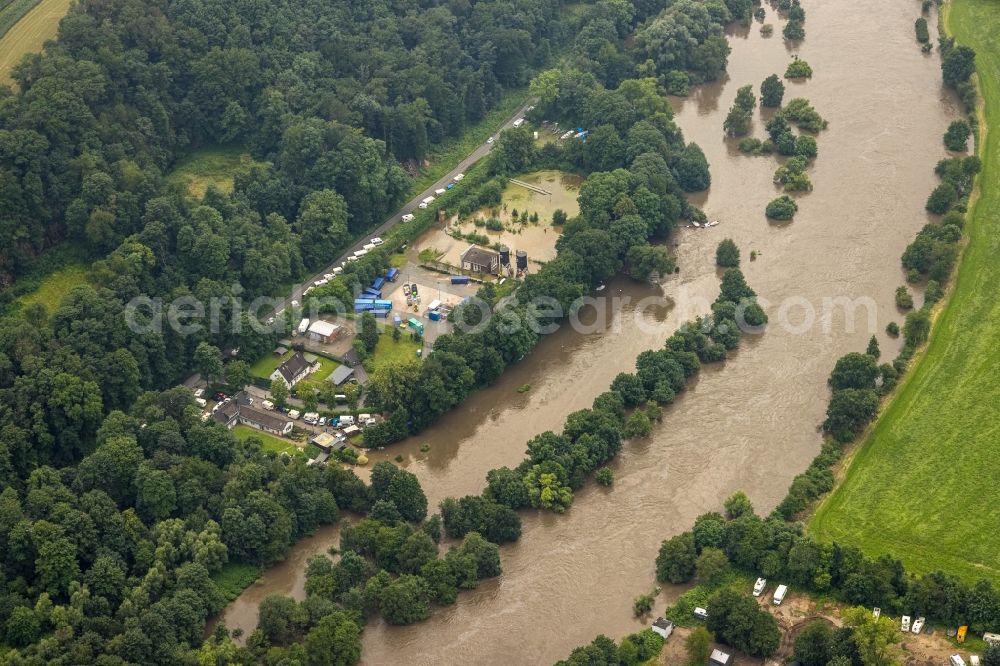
294, 369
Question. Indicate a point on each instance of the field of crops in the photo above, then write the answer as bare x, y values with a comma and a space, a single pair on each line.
925, 485
25, 26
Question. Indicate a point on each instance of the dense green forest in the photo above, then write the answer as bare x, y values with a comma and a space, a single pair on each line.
119, 503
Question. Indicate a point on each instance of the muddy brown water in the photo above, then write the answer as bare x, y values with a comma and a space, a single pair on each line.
749, 424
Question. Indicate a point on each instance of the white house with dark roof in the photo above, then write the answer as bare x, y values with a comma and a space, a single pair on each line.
294, 369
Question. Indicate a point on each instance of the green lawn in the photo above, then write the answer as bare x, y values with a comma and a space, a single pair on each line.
270, 442
444, 156
389, 352
268, 363
209, 166
925, 485
234, 577
55, 286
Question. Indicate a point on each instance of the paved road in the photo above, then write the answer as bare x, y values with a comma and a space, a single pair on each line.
479, 153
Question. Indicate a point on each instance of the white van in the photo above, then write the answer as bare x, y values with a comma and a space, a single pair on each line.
458, 177
310, 417
518, 122
376, 241
779, 594
346, 420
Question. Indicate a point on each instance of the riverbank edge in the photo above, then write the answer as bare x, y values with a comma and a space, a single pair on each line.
942, 313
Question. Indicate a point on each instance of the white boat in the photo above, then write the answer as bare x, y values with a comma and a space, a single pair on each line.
696, 225
712, 223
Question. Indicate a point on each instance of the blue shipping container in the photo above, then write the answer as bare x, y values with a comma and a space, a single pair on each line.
392, 274
460, 279
377, 284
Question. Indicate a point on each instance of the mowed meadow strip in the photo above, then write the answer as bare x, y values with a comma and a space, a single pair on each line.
925, 485
25, 26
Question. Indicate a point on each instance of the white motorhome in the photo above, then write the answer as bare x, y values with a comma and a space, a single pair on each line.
293, 414
904, 623
346, 420
758, 587
458, 177
779, 594
303, 326
268, 405
408, 217
956, 660
440, 191
360, 253
518, 122
310, 417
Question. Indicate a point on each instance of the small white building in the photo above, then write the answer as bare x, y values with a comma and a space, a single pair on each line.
720, 658
663, 627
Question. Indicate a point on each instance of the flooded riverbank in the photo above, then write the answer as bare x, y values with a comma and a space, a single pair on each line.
750, 423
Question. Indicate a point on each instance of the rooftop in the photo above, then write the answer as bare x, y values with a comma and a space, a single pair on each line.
341, 374
323, 328
271, 420
293, 366
480, 256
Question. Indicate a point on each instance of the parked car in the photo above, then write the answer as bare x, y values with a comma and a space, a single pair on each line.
458, 177
408, 217
406, 290
413, 290
321, 422
490, 141
198, 392
376, 241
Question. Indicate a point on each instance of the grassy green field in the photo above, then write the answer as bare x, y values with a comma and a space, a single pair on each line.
55, 286
444, 156
925, 485
214, 165
389, 352
270, 442
235, 577
267, 364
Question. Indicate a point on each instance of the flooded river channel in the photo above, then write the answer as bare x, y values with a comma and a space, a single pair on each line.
748, 424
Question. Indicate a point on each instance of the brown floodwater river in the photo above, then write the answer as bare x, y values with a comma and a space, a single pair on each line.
748, 424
